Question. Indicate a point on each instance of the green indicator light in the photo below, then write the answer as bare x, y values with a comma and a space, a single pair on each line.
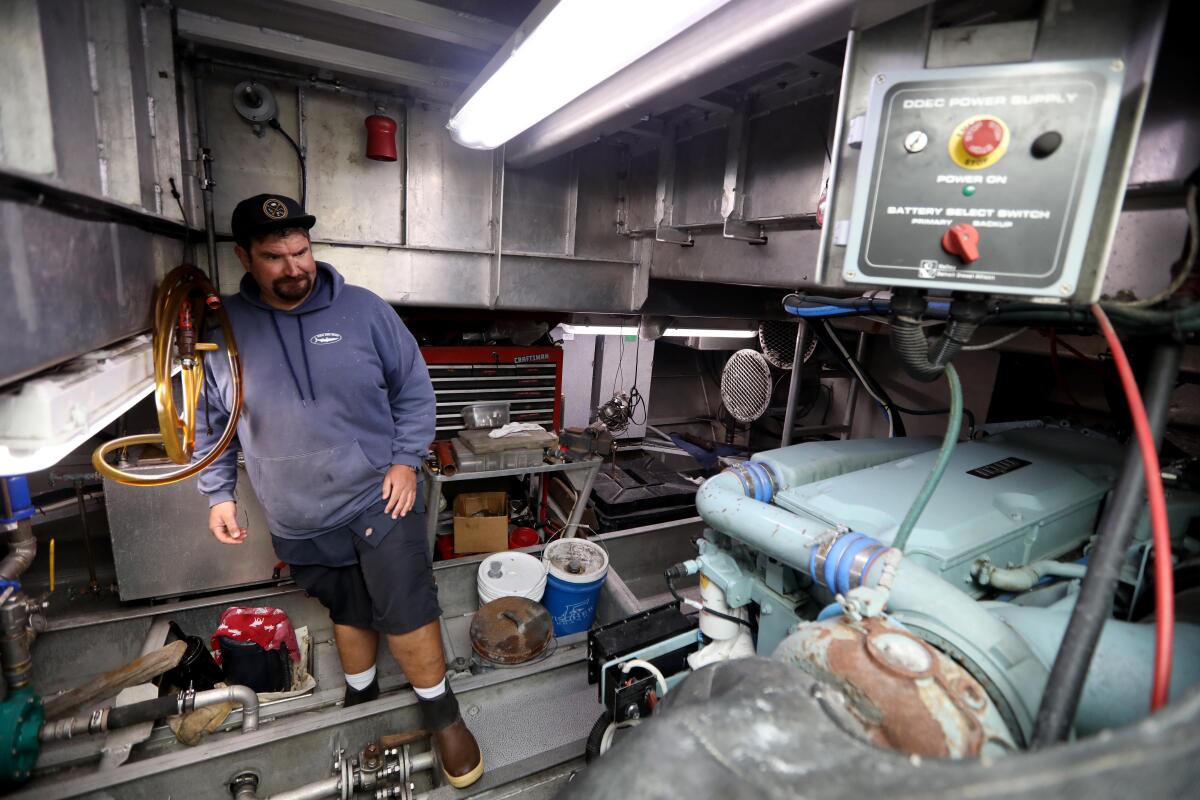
968, 190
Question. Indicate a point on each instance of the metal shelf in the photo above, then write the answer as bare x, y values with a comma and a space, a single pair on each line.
433, 489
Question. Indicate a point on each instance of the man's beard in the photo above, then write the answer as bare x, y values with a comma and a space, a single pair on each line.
291, 289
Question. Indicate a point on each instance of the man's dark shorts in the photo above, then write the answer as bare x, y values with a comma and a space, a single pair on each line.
390, 589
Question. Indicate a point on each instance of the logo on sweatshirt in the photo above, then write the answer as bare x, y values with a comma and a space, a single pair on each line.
326, 338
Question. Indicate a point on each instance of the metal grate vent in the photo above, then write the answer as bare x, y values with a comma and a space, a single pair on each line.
777, 339
746, 385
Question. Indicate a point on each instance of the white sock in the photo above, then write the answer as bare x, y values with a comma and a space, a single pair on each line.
433, 692
361, 680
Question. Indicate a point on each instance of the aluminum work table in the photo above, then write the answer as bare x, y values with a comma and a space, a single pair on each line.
434, 482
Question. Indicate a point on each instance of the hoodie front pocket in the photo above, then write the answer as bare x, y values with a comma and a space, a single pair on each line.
311, 491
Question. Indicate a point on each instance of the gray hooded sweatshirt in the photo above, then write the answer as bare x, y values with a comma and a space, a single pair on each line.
335, 392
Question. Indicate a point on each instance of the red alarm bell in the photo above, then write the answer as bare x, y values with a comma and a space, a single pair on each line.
381, 138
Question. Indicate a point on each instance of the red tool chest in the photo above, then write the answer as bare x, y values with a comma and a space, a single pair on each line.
528, 378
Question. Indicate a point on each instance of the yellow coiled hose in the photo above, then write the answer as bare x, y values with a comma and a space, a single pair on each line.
180, 304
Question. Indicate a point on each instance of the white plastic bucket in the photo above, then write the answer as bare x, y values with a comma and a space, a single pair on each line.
510, 574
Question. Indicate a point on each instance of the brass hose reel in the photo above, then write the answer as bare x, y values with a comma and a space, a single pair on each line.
180, 304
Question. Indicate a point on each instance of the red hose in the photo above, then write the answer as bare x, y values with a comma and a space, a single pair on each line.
1164, 580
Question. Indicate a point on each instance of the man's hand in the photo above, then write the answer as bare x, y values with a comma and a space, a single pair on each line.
222, 521
400, 489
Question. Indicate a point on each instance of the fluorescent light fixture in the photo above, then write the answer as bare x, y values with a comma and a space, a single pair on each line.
699, 333
600, 330
710, 333
578, 44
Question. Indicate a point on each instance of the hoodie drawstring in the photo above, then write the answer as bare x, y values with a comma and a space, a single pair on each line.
288, 359
304, 352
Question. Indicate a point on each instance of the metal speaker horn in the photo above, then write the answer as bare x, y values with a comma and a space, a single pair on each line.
254, 102
777, 340
746, 385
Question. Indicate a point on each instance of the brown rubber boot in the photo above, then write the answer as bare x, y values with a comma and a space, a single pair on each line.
462, 763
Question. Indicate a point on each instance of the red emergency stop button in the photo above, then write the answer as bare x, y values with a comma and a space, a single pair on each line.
962, 240
983, 137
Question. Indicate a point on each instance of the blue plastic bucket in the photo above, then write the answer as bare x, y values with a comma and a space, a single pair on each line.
576, 570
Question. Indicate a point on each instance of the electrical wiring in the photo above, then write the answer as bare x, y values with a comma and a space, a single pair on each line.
939, 465
274, 123
1059, 376
821, 312
1006, 338
828, 336
845, 306
704, 609
1135, 319
611, 731
189, 253
638, 663
935, 412
1109, 555
1164, 579
1141, 321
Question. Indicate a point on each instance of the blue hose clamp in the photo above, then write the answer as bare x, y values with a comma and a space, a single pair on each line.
842, 561
758, 480
834, 558
764, 481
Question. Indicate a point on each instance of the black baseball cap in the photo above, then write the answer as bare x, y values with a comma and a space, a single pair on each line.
264, 213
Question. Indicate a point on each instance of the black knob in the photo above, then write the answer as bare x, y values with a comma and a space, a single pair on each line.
1046, 144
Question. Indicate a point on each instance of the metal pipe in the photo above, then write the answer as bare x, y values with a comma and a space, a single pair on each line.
789, 416
1065, 685
14, 641
732, 43
93, 581
852, 398
114, 717
22, 548
238, 694
206, 185
445, 456
312, 791
1022, 579
582, 501
422, 761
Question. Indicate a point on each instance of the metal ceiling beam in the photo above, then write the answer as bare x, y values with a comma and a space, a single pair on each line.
432, 82
731, 44
423, 19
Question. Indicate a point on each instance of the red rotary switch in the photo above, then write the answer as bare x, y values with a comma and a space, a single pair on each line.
983, 136
962, 240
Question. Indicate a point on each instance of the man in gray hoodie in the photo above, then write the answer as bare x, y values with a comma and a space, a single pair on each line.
338, 415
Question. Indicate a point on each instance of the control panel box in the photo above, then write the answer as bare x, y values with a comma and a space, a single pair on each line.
983, 178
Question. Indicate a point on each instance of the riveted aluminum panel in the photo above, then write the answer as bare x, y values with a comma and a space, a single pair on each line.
353, 197
539, 207
245, 164
72, 285
26, 130
449, 186
162, 546
787, 159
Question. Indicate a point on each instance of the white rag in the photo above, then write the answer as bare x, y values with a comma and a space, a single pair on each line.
515, 427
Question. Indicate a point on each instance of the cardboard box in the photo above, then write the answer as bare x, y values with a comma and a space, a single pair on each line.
480, 522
